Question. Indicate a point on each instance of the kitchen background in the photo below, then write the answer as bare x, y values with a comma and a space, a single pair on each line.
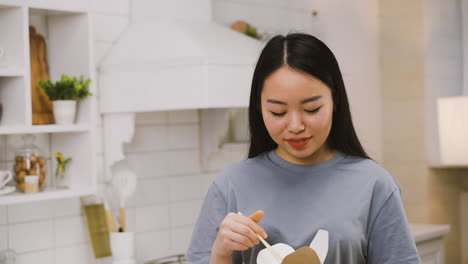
396, 56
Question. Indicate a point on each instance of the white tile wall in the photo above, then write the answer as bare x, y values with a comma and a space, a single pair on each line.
75, 254
3, 237
30, 212
3, 214
67, 207
31, 236
149, 164
184, 213
149, 138
184, 162
180, 238
151, 245
152, 218
149, 192
185, 188
70, 231
43, 256
183, 116
183, 136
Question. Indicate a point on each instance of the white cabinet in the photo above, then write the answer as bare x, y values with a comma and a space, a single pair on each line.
429, 241
68, 39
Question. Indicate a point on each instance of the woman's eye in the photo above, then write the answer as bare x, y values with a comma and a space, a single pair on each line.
278, 114
313, 111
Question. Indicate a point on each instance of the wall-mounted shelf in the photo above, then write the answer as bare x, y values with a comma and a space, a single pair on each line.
68, 39
11, 72
47, 194
5, 130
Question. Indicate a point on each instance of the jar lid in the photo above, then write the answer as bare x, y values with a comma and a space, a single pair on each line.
31, 178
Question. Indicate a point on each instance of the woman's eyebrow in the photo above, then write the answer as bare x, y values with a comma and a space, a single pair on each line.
310, 99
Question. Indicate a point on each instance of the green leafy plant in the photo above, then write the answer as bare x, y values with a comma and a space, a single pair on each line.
68, 88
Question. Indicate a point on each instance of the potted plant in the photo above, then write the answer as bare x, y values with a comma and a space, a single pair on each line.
64, 94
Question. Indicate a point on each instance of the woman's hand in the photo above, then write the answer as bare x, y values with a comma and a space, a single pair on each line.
237, 232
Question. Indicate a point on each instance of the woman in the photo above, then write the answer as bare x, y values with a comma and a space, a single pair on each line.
306, 170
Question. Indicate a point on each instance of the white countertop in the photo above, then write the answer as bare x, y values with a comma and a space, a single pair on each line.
424, 232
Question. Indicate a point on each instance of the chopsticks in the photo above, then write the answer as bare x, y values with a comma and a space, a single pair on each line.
272, 250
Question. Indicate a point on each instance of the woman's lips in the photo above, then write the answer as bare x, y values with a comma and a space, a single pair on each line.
298, 143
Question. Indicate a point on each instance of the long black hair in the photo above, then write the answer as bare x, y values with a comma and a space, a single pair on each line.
309, 55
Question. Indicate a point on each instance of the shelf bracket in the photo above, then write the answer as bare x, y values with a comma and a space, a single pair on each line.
214, 131
119, 128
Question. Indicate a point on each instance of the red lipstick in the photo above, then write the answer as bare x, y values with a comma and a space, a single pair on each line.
298, 143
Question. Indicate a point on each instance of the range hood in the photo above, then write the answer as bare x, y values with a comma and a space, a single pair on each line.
172, 56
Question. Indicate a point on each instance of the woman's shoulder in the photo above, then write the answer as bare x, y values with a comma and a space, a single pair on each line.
370, 169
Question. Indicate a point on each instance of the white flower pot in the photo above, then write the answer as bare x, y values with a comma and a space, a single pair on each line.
64, 112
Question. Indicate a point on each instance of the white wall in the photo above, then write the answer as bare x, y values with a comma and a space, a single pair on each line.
164, 151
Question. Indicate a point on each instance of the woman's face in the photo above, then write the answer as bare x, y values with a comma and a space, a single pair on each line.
297, 110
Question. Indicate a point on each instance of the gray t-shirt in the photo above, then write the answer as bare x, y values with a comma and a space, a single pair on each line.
356, 200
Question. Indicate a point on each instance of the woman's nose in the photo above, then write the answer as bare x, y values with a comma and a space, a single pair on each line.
296, 124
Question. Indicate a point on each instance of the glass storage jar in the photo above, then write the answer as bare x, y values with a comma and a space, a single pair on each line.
29, 161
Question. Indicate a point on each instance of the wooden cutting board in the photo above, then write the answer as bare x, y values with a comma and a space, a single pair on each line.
42, 109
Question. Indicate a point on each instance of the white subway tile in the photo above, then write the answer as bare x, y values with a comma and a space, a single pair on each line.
152, 118
37, 257
149, 138
120, 7
3, 214
185, 188
180, 238
3, 237
31, 236
185, 213
30, 211
108, 27
75, 254
152, 218
183, 136
150, 192
183, 116
218, 161
149, 164
67, 207
183, 162
152, 245
70, 230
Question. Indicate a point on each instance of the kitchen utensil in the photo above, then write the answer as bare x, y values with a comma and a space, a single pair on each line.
123, 247
271, 249
97, 226
42, 108
5, 177
109, 217
124, 182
